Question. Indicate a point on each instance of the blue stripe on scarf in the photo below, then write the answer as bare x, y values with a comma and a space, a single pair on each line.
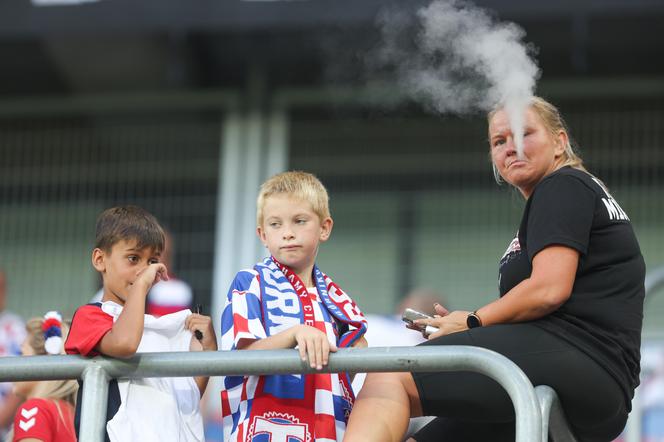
348, 338
280, 386
277, 319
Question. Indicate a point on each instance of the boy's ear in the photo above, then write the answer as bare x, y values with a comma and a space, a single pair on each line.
326, 229
261, 235
98, 260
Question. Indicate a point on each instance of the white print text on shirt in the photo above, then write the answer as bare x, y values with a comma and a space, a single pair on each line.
613, 208
514, 246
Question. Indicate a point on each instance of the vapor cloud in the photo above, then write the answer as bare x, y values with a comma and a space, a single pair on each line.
454, 57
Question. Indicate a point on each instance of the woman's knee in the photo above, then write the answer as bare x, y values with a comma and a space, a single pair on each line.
394, 383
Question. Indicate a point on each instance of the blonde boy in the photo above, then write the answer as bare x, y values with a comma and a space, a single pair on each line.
129, 242
285, 301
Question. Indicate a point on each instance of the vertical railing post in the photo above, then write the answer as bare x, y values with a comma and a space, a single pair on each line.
94, 403
516, 384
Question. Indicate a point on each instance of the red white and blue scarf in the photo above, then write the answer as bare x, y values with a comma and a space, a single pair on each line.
262, 302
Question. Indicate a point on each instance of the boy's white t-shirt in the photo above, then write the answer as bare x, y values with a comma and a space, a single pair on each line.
158, 409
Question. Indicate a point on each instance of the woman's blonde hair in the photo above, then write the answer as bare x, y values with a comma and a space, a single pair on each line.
295, 184
63, 389
554, 123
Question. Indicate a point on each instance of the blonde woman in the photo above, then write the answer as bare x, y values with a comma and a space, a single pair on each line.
569, 312
47, 415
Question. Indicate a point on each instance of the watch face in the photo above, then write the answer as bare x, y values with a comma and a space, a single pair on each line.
473, 321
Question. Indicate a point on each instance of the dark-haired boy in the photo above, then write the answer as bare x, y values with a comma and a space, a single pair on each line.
129, 241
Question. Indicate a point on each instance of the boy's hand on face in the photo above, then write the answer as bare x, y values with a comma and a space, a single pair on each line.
151, 275
203, 324
313, 343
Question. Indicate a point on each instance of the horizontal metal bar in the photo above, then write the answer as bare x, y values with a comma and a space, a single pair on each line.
20, 18
174, 364
386, 95
414, 359
374, 95
219, 99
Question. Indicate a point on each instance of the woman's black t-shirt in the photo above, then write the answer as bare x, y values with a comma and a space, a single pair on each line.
604, 314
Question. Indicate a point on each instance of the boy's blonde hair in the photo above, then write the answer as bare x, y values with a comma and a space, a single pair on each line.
295, 184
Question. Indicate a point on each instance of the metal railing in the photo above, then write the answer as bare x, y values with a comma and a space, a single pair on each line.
530, 404
554, 422
98, 371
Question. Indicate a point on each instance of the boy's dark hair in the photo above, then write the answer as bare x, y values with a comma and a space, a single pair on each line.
128, 223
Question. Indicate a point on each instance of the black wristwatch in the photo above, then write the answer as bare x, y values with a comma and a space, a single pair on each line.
473, 320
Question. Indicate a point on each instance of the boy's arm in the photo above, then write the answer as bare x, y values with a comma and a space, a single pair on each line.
208, 342
242, 325
309, 340
124, 337
283, 339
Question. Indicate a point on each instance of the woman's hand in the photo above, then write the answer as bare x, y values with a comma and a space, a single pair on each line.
312, 344
448, 322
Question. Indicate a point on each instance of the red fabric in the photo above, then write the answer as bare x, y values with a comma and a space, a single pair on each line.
40, 419
48, 323
325, 426
88, 327
225, 406
240, 323
161, 310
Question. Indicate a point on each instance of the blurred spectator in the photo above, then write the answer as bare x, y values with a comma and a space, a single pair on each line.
48, 413
421, 299
12, 334
391, 331
651, 395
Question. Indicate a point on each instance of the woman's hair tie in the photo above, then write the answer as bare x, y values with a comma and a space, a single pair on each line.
52, 328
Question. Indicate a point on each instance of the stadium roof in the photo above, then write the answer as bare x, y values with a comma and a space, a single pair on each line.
111, 45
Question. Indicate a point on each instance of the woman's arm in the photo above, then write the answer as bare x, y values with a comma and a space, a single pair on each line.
548, 287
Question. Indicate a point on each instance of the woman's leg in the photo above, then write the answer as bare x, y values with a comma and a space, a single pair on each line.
383, 408
592, 399
455, 430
